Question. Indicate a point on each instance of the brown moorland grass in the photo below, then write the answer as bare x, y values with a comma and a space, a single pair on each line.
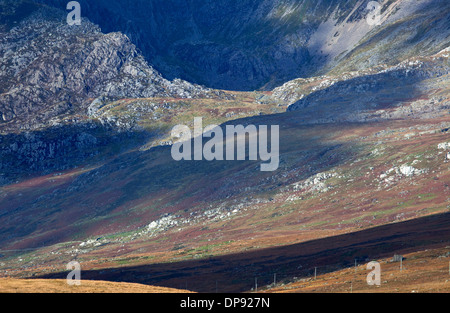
426, 271
236, 272
8, 285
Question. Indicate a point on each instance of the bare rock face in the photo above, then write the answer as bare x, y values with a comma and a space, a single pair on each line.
49, 68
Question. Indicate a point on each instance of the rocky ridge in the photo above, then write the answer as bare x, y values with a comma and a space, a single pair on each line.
49, 68
415, 88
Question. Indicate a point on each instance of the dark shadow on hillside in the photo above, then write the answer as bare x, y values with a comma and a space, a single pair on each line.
109, 193
58, 148
101, 195
237, 272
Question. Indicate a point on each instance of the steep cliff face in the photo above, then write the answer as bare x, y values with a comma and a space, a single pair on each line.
251, 44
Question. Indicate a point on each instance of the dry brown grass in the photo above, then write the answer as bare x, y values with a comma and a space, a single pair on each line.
8, 285
422, 272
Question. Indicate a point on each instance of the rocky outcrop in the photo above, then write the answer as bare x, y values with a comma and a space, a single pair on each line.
60, 148
49, 68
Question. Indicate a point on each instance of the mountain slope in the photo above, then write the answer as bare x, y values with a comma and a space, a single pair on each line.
333, 178
85, 159
252, 44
